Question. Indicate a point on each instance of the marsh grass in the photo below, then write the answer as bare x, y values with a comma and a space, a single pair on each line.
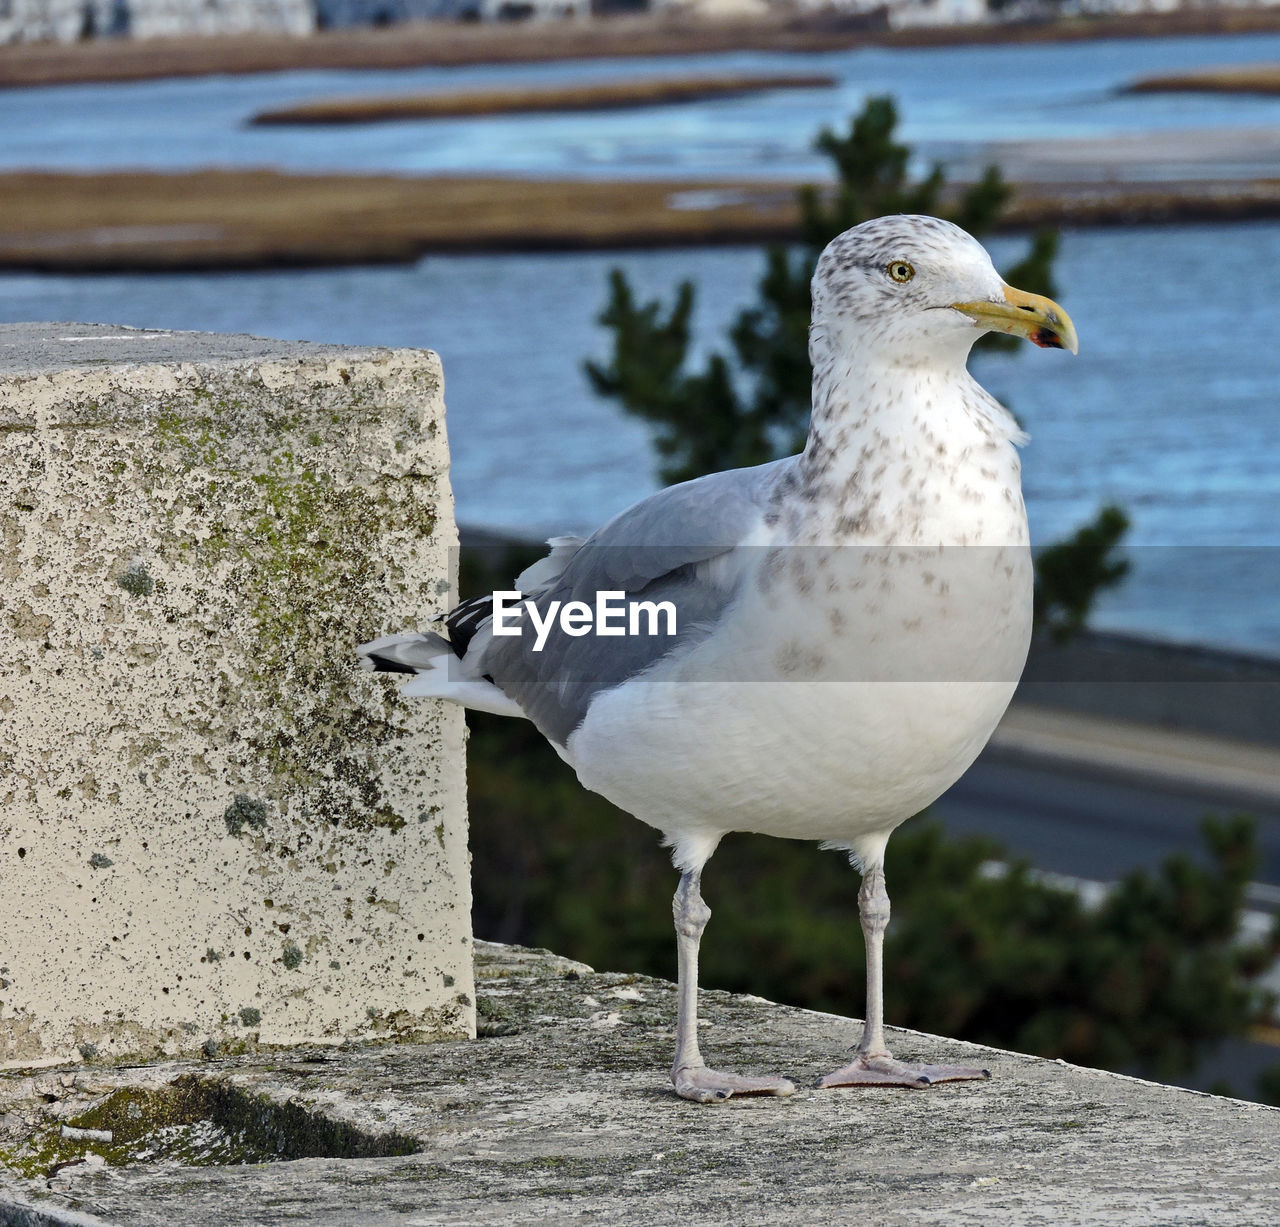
126, 221
1247, 79
592, 96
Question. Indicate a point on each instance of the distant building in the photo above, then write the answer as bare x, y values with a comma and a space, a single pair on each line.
70, 20
66, 21
905, 14
332, 14
156, 18
30, 21
707, 8
1111, 8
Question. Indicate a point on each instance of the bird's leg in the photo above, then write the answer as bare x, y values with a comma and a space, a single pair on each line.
873, 912
873, 1064
689, 1073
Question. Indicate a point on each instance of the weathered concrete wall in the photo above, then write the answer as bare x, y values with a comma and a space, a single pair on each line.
214, 828
564, 1113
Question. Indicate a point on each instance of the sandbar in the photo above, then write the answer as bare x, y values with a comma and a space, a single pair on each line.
594, 96
129, 221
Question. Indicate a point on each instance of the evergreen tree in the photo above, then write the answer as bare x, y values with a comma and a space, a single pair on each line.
1269, 1086
755, 407
1070, 573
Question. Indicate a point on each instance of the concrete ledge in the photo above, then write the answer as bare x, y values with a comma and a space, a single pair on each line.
215, 830
562, 1112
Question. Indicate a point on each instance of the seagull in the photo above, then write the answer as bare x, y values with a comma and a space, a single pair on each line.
814, 648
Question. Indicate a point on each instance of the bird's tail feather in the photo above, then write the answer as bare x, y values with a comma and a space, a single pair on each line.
405, 653
437, 672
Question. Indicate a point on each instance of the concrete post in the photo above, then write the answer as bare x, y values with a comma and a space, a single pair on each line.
216, 831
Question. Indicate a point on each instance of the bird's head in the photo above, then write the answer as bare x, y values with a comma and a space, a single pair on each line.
920, 289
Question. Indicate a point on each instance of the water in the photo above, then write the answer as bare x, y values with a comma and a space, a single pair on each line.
1170, 409
955, 101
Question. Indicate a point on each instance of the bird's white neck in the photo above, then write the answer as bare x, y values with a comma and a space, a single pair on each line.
910, 452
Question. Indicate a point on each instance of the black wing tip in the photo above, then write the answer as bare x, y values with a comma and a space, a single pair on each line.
381, 664
465, 619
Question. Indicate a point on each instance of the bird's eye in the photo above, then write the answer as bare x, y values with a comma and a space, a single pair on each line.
900, 270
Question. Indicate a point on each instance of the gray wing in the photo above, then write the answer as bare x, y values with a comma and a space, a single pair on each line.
654, 551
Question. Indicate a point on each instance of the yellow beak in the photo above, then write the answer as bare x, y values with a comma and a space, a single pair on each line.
1033, 316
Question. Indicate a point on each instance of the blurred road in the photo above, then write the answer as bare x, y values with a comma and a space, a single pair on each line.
1092, 827
1094, 799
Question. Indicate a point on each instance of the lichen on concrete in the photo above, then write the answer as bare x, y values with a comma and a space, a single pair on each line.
245, 811
192, 1121
195, 533
136, 580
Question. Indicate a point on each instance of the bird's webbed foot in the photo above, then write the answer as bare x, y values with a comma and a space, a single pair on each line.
704, 1085
884, 1070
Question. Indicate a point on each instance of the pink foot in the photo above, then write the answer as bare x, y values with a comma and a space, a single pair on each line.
704, 1085
885, 1071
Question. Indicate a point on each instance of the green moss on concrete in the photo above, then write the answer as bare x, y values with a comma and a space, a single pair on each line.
495, 1017
298, 544
197, 1122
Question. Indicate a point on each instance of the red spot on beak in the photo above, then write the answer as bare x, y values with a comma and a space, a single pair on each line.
1046, 339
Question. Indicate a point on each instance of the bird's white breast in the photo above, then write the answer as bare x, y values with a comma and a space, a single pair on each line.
878, 634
